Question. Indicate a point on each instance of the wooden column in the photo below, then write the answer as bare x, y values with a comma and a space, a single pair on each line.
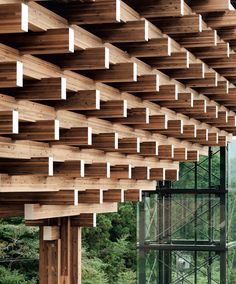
60, 254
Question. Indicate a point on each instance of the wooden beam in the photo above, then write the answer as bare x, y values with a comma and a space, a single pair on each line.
34, 166
122, 72
7, 211
90, 196
174, 127
221, 88
172, 174
14, 18
221, 20
133, 31
134, 116
129, 145
81, 100
176, 60
141, 173
208, 6
62, 197
113, 195
166, 93
149, 148
105, 141
180, 154
206, 38
121, 172
111, 109
157, 174
35, 211
185, 100
145, 83
193, 156
11, 74
133, 195
153, 47
97, 170
42, 90
195, 70
221, 50
180, 25
69, 168
76, 136
88, 59
160, 9
9, 122
156, 122
166, 152
49, 42
84, 220
87, 13
43, 130
209, 80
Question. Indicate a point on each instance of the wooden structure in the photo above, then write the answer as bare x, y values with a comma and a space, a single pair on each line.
99, 100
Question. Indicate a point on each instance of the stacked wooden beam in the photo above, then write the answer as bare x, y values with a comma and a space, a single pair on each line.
100, 100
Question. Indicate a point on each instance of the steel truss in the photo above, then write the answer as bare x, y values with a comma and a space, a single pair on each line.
182, 226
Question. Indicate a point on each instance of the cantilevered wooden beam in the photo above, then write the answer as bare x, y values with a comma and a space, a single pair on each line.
180, 154
149, 149
156, 122
176, 60
41, 90
113, 195
34, 166
134, 116
97, 170
84, 220
122, 72
69, 168
111, 109
9, 122
133, 31
157, 174
133, 195
171, 174
199, 108
49, 42
145, 83
36, 211
129, 145
180, 25
174, 127
76, 136
43, 130
62, 197
105, 141
166, 152
160, 9
223, 62
11, 74
121, 172
87, 12
221, 50
195, 70
90, 196
221, 88
209, 80
153, 47
166, 93
185, 100
141, 173
82, 100
193, 156
221, 20
14, 18
206, 38
88, 59
209, 6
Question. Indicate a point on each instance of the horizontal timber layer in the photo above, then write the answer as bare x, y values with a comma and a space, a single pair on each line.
94, 110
